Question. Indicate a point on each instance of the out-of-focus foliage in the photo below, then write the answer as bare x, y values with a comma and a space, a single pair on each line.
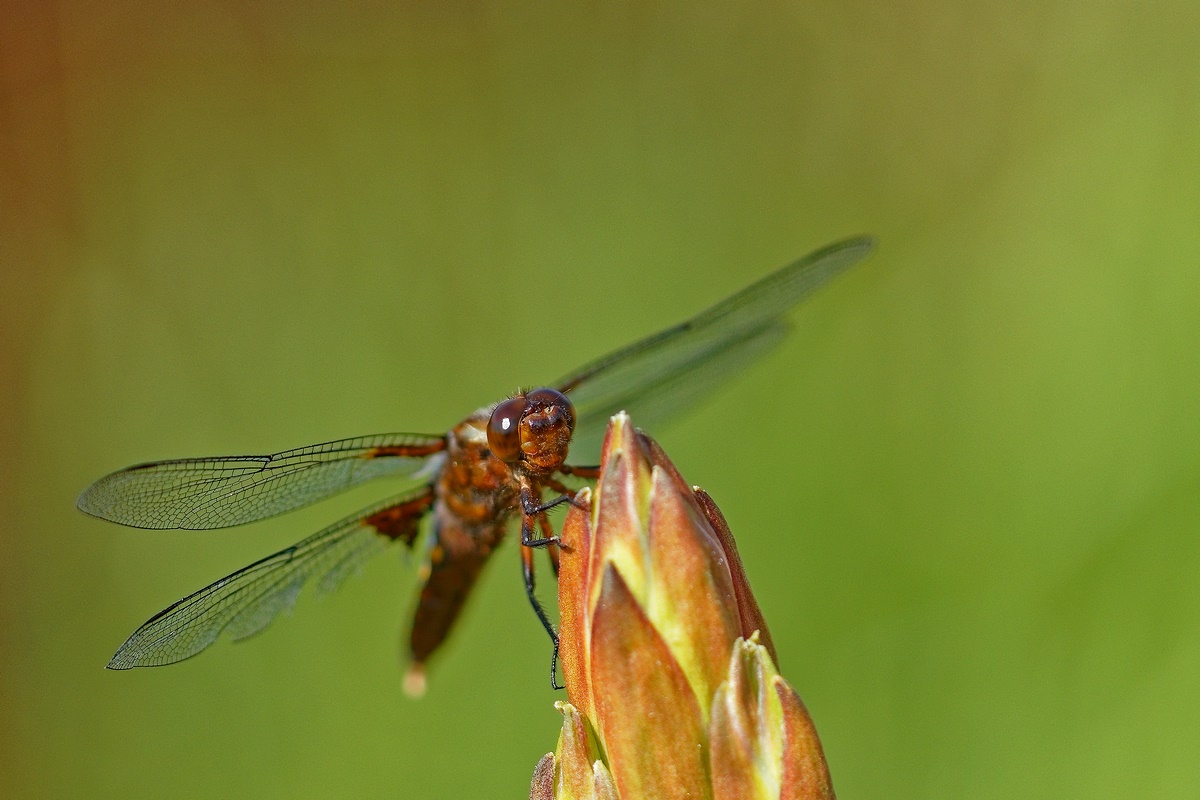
973, 472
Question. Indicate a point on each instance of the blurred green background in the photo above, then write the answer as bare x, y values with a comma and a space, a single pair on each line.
967, 490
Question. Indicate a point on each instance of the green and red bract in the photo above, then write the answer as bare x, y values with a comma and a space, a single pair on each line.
671, 678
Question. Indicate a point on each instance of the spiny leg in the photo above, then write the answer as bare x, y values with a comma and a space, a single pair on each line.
566, 492
527, 570
533, 507
552, 549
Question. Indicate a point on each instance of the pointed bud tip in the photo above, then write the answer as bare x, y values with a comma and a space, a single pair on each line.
616, 435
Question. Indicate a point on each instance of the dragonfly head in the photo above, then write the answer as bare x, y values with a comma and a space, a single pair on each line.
533, 428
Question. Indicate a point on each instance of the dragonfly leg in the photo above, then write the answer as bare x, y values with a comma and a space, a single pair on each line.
561, 488
555, 503
552, 549
590, 473
531, 508
527, 539
527, 571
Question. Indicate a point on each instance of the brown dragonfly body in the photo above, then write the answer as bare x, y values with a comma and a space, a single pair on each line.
474, 499
496, 465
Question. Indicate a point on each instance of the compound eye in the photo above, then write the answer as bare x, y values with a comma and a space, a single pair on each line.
503, 429
546, 398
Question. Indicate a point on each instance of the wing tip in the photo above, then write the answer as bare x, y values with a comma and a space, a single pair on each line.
120, 661
96, 501
86, 501
123, 659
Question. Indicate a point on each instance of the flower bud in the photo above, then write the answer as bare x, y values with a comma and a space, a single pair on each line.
668, 663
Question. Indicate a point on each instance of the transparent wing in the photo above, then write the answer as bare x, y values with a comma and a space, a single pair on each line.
674, 368
249, 600
673, 394
202, 493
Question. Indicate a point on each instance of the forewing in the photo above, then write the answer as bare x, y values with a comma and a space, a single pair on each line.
249, 600
672, 394
685, 362
201, 493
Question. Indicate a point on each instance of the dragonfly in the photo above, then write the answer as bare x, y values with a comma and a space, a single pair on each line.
470, 483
